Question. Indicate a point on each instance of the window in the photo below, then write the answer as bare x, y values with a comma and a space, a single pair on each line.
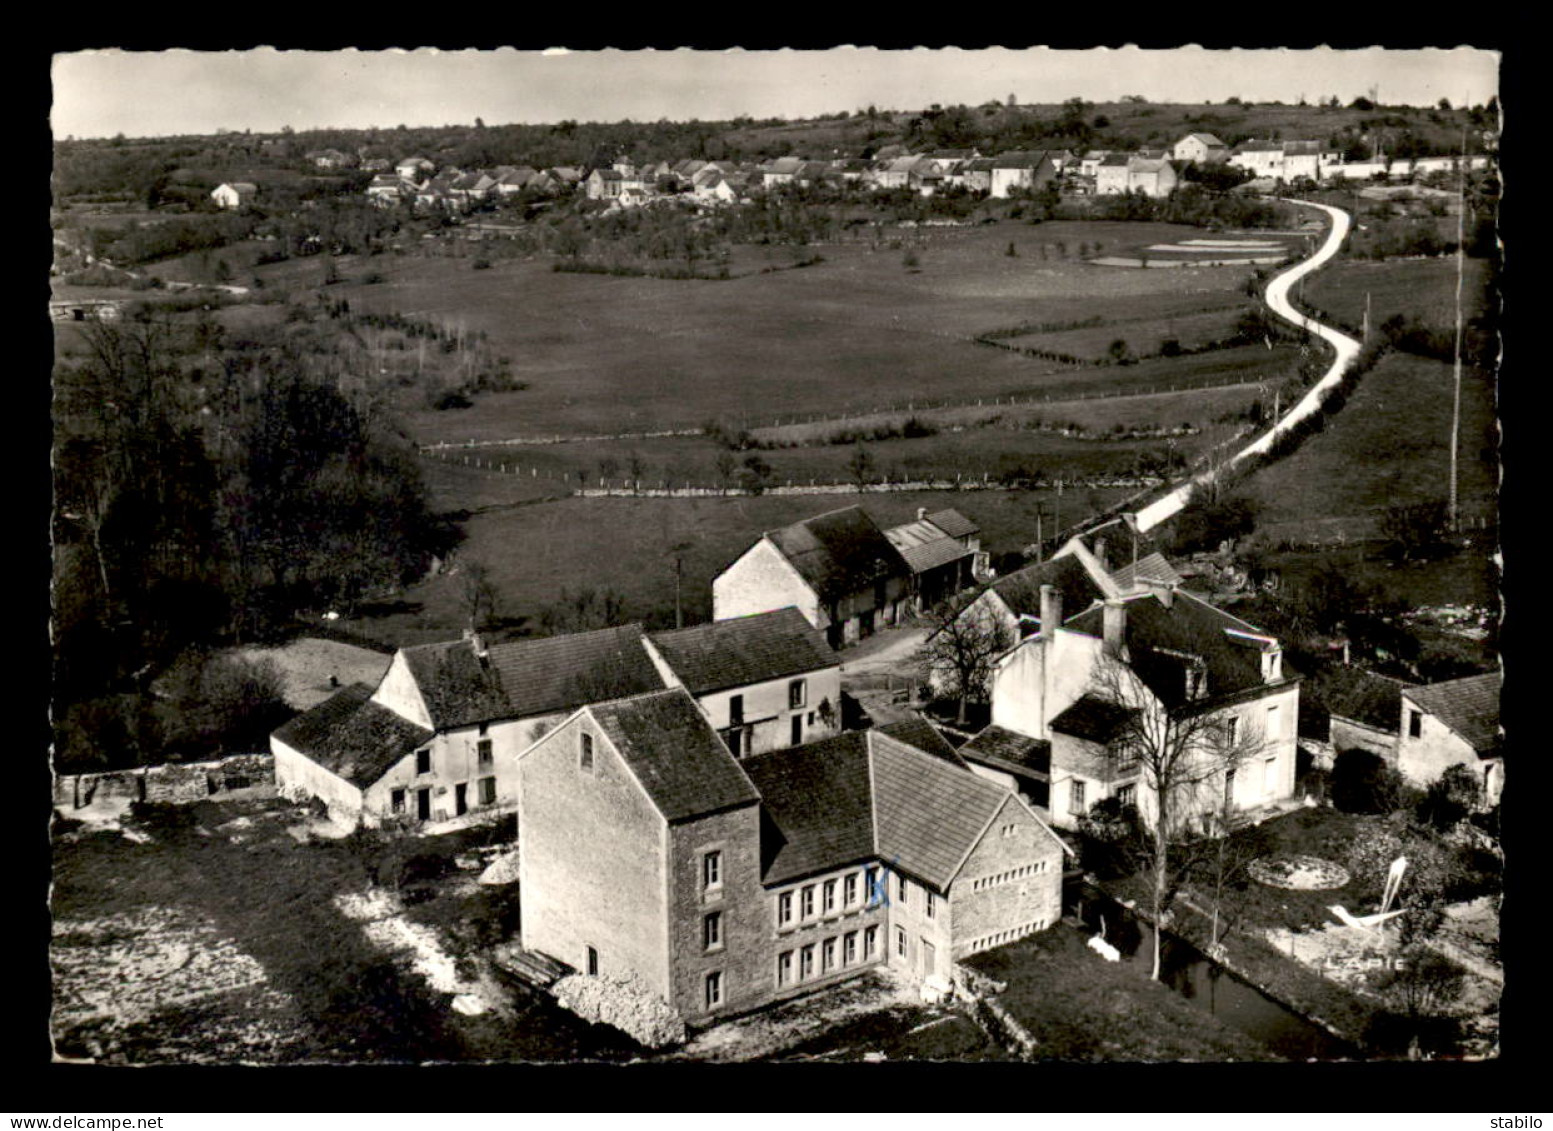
487, 791
876, 892
1128, 794
712, 870
849, 889
807, 902
806, 962
828, 902
785, 909
593, 962
1415, 724
1076, 798
736, 710
900, 890
797, 695
585, 757
828, 955
712, 931
396, 798
736, 743
714, 989
784, 968
1229, 786
423, 761
930, 907
900, 941
797, 736
870, 941
1231, 729
1274, 721
849, 948
1126, 759
483, 751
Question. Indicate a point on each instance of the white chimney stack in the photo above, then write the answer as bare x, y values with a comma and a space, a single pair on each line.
1115, 625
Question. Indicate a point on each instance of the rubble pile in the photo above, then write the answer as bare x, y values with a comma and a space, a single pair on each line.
625, 1003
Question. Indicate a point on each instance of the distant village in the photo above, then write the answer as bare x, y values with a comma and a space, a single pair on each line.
416, 181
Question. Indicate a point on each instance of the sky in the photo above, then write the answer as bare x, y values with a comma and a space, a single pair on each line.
161, 93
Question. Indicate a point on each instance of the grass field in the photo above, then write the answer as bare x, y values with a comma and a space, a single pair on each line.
535, 552
1417, 288
605, 353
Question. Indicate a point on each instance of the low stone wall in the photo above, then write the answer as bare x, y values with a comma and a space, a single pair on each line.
180, 783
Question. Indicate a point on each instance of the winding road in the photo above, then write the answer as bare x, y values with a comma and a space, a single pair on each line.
1347, 349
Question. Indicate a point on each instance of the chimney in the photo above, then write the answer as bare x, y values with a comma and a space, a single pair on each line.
1051, 610
1100, 554
921, 514
476, 644
1115, 625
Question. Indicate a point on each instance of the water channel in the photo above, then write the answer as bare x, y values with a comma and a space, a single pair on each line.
1209, 986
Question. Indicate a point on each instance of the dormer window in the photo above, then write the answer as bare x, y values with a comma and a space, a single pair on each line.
1196, 681
1272, 664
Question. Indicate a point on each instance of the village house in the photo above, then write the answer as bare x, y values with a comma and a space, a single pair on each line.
974, 175
1363, 710
239, 194
1454, 723
387, 190
894, 172
414, 168
837, 568
1111, 175
1089, 164
332, 159
1082, 684
714, 188
1152, 176
782, 171
607, 184
438, 736
1021, 172
651, 853
942, 550
1307, 159
764, 681
1199, 149
1015, 761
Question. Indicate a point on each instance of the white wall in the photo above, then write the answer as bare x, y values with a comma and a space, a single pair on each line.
397, 691
297, 776
761, 581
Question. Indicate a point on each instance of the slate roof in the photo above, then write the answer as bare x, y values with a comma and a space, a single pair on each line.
353, 737
1153, 566
953, 523
1021, 590
1206, 139
1019, 160
1008, 750
1156, 634
1363, 696
1469, 706
919, 733
839, 552
745, 650
925, 546
1093, 719
675, 754
523, 678
865, 795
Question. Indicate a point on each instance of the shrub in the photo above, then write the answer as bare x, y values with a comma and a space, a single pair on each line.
1363, 782
1449, 798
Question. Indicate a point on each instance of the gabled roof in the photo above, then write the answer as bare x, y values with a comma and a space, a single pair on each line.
1303, 148
1116, 160
839, 552
1206, 139
674, 752
745, 650
1153, 567
1159, 635
1363, 696
919, 733
1470, 707
1010, 751
608, 174
925, 546
783, 165
953, 523
1020, 159
353, 737
1021, 590
865, 795
524, 678
1093, 719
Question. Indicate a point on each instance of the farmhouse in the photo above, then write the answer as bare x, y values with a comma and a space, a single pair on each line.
461, 712
1021, 171
239, 194
1455, 723
764, 681
1164, 657
1111, 175
1151, 176
838, 569
942, 550
1364, 709
1199, 149
650, 852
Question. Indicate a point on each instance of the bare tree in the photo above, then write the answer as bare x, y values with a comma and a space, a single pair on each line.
727, 464
476, 593
861, 465
1185, 756
963, 643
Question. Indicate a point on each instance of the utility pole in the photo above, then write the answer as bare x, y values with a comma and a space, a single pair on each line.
1461, 239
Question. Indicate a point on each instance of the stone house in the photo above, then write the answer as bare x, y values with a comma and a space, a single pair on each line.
438, 737
1154, 177
764, 681
649, 851
1199, 149
1363, 710
1015, 761
1454, 723
414, 168
838, 569
1162, 656
606, 184
782, 171
1259, 158
1111, 175
1021, 171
